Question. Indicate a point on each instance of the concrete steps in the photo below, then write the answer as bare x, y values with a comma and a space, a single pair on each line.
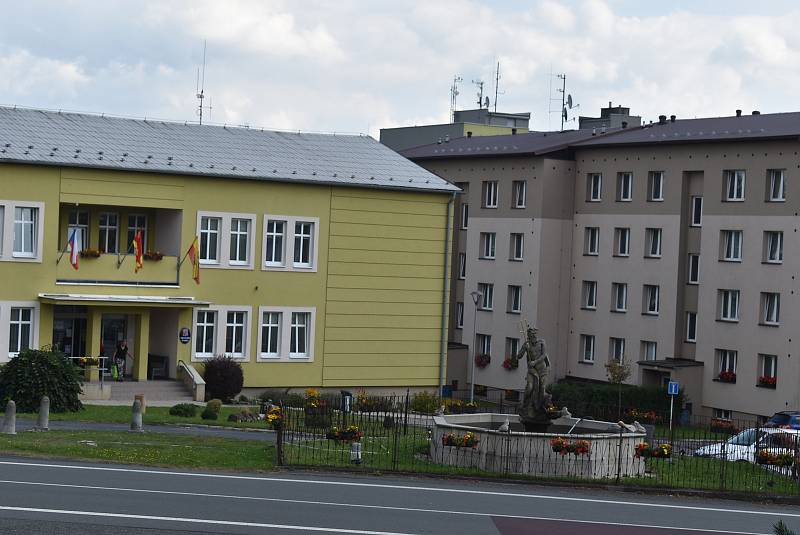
124, 392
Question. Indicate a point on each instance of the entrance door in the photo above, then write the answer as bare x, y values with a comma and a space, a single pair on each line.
113, 329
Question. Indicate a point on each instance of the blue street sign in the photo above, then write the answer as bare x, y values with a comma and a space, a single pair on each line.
673, 388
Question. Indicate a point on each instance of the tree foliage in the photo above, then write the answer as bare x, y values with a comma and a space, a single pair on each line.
224, 378
35, 373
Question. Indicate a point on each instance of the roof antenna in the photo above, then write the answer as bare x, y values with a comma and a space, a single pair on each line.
479, 83
200, 86
497, 85
454, 97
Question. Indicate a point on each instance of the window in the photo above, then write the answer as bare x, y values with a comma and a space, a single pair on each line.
209, 239
589, 296
697, 212
487, 296
484, 342
488, 240
726, 360
622, 242
234, 333
722, 414
303, 236
693, 269
519, 188
78, 222
240, 239
619, 296
108, 232
655, 187
649, 350
594, 187
651, 299
731, 245
617, 350
270, 334
512, 347
734, 185
768, 366
770, 308
777, 185
517, 246
464, 216
591, 244
298, 345
773, 247
276, 240
624, 187
652, 243
462, 266
587, 348
490, 194
729, 305
205, 333
20, 330
459, 315
691, 326
25, 231
136, 223
515, 299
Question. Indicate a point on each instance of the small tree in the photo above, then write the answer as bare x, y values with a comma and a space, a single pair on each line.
618, 371
35, 373
224, 378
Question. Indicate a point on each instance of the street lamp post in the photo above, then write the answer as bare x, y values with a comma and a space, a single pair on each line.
476, 298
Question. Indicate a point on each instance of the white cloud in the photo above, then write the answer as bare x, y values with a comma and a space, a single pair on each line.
22, 73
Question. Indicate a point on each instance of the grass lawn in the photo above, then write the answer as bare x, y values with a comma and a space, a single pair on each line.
151, 449
153, 416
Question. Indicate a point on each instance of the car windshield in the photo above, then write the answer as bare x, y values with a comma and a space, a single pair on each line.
745, 438
780, 419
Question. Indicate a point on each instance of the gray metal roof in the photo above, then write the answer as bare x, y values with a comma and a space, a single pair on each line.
41, 137
708, 129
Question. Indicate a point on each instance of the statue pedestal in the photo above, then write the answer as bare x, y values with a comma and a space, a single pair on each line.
535, 425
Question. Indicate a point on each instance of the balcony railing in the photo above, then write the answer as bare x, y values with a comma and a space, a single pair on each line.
106, 269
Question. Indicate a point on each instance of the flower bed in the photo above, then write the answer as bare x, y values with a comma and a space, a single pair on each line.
562, 446
469, 440
641, 416
767, 382
644, 450
351, 434
775, 459
718, 425
481, 361
727, 377
456, 406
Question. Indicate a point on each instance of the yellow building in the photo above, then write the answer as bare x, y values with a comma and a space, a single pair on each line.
322, 258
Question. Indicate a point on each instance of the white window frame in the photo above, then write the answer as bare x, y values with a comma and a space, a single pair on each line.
103, 230
594, 187
771, 308
205, 325
587, 348
514, 299
299, 233
649, 350
82, 235
274, 250
727, 360
722, 414
589, 295
732, 245
208, 233
234, 241
5, 326
622, 237
459, 314
693, 268
488, 245
619, 296
591, 246
285, 333
464, 216
295, 326
773, 247
653, 242
130, 231
655, 178
244, 325
696, 215
652, 295
729, 305
776, 194
691, 325
462, 266
616, 350
288, 243
517, 246
625, 187
512, 346
766, 370
269, 321
490, 191
487, 296
520, 192
7, 230
224, 236
735, 183
220, 332
483, 343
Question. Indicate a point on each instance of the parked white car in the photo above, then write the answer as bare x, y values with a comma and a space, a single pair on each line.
745, 445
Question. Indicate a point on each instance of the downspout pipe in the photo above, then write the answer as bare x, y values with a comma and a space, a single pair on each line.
445, 300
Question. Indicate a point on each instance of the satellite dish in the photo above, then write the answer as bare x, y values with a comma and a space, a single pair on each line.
486, 103
564, 113
569, 101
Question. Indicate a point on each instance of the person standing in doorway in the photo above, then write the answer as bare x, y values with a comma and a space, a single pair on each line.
120, 358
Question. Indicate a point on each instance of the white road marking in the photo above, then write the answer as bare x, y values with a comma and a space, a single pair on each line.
361, 506
197, 521
404, 487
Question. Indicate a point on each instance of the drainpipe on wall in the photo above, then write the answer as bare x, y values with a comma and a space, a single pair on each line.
445, 300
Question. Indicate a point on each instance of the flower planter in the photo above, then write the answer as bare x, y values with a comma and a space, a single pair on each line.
89, 253
153, 256
511, 364
767, 382
726, 377
481, 361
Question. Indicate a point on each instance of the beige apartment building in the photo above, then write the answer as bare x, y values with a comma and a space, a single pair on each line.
673, 246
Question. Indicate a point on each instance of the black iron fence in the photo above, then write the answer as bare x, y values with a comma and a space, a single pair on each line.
399, 433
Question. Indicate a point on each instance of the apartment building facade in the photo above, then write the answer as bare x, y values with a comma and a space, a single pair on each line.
681, 258
322, 258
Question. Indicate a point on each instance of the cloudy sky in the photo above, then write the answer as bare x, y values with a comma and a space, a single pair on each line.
360, 65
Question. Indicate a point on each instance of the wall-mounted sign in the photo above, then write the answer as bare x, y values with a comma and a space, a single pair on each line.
185, 335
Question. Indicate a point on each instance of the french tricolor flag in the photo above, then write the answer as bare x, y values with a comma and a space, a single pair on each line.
74, 244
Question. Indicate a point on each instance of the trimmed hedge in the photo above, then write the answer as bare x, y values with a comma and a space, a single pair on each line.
185, 410
224, 378
600, 400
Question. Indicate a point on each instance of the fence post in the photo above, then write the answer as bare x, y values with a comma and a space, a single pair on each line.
724, 460
405, 417
619, 456
396, 430
279, 436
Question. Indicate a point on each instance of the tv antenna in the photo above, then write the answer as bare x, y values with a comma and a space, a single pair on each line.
567, 103
454, 97
481, 104
497, 85
200, 87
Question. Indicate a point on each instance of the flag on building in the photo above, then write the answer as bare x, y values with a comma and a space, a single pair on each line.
137, 251
74, 246
194, 257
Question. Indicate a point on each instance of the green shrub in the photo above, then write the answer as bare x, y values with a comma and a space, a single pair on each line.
424, 402
282, 397
209, 414
36, 373
185, 410
600, 400
224, 378
243, 399
215, 405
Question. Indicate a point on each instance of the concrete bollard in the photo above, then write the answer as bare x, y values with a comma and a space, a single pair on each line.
10, 419
136, 420
43, 422
141, 399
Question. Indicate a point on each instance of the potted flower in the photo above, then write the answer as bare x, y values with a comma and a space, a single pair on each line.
351, 434
468, 440
511, 363
580, 447
275, 417
727, 377
642, 450
90, 253
663, 451
481, 361
317, 413
153, 255
553, 412
767, 381
470, 407
91, 368
559, 445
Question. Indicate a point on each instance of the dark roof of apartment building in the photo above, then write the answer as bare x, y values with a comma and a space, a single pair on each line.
31, 136
529, 143
709, 129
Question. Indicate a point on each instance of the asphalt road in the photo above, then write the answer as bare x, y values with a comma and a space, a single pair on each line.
83, 498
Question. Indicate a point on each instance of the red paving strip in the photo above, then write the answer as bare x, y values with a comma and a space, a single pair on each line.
524, 526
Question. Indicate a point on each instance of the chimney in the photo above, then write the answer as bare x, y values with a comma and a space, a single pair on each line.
469, 133
756, 112
513, 131
447, 138
672, 118
738, 113
662, 119
439, 141
594, 131
609, 104
624, 124
603, 129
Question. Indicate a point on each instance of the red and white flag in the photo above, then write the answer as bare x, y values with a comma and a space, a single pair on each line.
74, 245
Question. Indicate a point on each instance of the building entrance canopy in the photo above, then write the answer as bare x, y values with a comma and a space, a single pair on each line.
117, 300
